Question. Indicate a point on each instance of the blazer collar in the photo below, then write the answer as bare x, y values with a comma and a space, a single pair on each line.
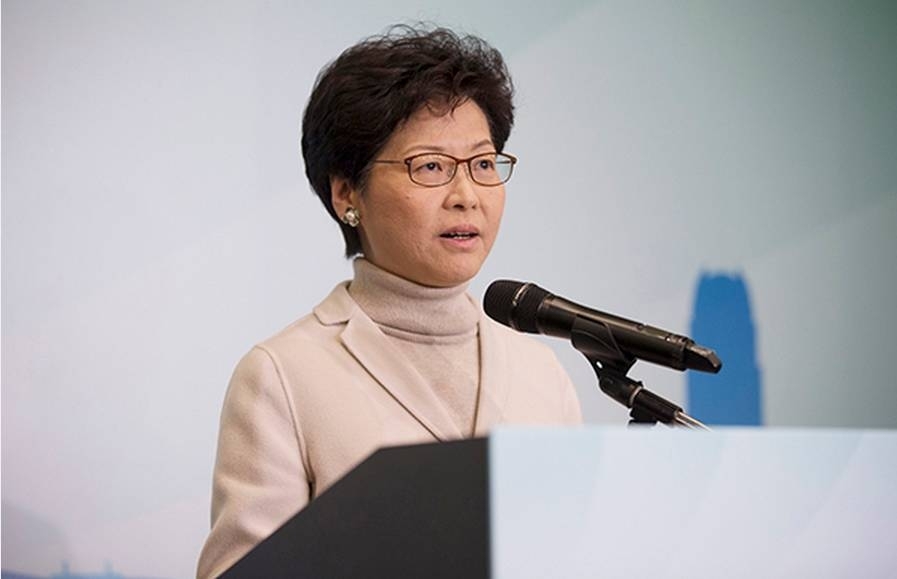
386, 364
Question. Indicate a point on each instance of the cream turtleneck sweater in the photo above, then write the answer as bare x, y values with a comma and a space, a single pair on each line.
436, 330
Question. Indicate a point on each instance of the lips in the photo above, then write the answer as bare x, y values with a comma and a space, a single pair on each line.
463, 232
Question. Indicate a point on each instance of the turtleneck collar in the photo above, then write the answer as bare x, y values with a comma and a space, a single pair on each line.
396, 303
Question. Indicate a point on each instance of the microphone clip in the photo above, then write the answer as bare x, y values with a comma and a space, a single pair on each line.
596, 342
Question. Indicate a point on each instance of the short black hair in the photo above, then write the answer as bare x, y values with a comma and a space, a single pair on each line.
360, 99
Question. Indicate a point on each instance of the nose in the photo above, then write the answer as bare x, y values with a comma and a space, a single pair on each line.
463, 192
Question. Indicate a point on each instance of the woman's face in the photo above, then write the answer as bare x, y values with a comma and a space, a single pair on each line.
435, 236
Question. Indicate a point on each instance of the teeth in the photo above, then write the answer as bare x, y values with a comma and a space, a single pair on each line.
459, 235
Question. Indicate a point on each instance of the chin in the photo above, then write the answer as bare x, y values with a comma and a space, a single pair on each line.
449, 277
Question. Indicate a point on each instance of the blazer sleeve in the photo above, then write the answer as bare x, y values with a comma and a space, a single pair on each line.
260, 477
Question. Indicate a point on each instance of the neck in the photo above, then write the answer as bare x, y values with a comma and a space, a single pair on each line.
398, 303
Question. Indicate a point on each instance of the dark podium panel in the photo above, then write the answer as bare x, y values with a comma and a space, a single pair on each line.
410, 511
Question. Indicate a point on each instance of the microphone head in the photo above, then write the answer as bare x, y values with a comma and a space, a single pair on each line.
514, 304
498, 302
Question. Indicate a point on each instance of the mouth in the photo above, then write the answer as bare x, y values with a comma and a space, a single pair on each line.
460, 233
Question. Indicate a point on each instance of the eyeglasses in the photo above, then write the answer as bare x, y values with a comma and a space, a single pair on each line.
436, 169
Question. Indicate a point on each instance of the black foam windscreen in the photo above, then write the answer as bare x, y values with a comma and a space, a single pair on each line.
514, 304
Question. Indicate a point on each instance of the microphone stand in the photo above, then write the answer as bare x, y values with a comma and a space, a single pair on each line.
596, 342
645, 406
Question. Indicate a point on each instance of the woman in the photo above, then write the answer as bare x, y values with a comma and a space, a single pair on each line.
402, 140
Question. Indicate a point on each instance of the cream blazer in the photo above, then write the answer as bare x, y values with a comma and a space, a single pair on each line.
307, 405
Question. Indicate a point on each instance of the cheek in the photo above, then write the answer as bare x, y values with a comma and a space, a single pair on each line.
495, 209
396, 222
406, 215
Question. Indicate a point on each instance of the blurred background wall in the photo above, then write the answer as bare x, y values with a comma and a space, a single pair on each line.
726, 170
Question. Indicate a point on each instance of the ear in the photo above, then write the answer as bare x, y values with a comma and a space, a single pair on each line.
342, 195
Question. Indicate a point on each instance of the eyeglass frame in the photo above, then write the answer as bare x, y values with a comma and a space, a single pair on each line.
407, 162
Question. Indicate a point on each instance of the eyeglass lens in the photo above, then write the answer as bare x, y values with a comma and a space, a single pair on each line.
433, 169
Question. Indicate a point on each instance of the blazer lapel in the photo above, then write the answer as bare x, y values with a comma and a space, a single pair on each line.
495, 384
387, 365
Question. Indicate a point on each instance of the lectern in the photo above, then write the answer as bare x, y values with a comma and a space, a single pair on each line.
603, 502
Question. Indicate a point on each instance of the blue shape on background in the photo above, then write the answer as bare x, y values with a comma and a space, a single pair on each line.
722, 321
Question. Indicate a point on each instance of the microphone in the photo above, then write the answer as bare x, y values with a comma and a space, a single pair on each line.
526, 307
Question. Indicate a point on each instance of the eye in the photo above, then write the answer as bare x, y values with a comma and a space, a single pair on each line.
429, 164
484, 164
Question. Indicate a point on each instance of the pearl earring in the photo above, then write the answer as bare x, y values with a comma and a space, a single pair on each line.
351, 217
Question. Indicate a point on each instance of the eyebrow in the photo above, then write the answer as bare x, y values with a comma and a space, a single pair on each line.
438, 149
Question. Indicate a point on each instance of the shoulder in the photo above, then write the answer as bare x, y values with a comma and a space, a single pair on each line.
519, 355
309, 342
324, 322
539, 388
